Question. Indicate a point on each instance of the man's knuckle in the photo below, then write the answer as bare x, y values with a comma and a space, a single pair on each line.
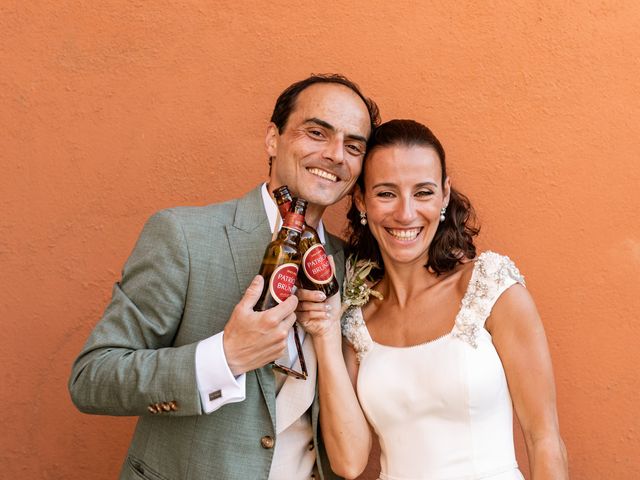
267, 317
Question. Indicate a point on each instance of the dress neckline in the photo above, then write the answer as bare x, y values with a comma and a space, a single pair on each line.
463, 302
417, 345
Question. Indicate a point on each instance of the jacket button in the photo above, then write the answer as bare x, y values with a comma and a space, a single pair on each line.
152, 408
267, 442
173, 405
166, 407
310, 447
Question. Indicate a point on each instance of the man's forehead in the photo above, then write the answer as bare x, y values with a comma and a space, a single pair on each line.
335, 104
320, 93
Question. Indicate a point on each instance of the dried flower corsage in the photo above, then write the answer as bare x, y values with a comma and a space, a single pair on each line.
356, 292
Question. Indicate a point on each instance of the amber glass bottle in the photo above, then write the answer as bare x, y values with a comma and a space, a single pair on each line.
317, 273
282, 259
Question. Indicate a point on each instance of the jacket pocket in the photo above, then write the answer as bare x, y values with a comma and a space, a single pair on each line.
141, 470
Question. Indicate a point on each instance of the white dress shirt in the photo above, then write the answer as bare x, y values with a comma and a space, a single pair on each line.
216, 384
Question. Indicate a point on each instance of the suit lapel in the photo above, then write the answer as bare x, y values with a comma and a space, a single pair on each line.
296, 396
334, 247
248, 237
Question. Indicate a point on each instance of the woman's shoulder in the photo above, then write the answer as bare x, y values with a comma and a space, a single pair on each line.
492, 274
492, 267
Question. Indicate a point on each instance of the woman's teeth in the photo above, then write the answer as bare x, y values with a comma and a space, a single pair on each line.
323, 174
404, 234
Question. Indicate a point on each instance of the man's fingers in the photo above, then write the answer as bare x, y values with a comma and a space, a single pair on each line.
289, 320
252, 294
285, 308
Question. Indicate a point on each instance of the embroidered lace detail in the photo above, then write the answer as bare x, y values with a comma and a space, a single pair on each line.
492, 274
355, 331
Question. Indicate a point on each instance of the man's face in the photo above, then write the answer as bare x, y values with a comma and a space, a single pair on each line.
319, 153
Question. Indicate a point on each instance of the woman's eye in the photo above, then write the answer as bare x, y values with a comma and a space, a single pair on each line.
424, 193
384, 194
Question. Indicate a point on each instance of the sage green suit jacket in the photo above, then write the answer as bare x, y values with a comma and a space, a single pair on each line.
185, 275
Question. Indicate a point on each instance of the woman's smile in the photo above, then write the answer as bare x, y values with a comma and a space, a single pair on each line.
404, 234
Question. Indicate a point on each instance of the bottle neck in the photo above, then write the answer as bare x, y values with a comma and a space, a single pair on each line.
284, 208
294, 219
289, 234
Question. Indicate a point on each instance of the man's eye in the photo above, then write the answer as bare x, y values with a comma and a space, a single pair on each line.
356, 149
315, 133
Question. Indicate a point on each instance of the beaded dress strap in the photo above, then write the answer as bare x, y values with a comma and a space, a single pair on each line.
492, 275
355, 331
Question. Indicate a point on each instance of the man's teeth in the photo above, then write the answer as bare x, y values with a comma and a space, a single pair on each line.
405, 234
323, 174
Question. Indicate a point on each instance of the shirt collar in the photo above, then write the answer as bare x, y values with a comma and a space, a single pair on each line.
271, 208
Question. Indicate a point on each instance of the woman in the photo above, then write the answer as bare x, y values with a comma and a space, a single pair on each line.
456, 339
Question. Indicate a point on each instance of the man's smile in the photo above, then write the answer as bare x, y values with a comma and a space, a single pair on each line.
323, 174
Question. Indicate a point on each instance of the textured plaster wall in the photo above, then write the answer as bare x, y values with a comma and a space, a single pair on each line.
112, 110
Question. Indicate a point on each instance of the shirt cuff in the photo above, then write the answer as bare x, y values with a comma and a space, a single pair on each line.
216, 383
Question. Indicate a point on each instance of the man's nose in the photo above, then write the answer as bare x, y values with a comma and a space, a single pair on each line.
334, 150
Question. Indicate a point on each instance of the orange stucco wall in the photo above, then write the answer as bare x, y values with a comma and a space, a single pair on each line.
112, 110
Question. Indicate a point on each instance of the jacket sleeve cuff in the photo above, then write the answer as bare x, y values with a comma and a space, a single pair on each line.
216, 383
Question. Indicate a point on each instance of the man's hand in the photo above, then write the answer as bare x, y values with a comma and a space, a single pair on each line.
253, 339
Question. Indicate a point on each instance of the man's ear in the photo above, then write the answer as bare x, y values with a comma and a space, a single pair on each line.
358, 198
271, 140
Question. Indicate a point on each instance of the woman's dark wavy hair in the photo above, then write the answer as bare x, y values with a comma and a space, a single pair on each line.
453, 240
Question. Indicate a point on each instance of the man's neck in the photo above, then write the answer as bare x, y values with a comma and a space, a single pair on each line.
314, 215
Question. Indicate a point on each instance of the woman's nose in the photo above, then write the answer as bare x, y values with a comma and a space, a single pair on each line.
406, 211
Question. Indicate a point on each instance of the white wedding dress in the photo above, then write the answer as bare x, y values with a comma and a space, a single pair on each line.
442, 409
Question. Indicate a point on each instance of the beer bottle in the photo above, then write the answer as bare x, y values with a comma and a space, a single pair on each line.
317, 273
282, 259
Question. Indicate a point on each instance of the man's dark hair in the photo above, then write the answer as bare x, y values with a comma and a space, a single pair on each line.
287, 100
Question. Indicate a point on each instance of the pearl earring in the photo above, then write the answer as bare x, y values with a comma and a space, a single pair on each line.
442, 212
363, 218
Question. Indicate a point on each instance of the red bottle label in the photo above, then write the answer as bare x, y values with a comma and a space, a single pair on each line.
282, 281
294, 221
284, 209
316, 265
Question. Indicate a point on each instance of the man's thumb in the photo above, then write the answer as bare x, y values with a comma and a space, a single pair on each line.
252, 294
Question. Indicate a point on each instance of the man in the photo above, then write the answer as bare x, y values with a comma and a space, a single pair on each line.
180, 345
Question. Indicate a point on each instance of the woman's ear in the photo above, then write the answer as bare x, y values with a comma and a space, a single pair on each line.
358, 199
446, 192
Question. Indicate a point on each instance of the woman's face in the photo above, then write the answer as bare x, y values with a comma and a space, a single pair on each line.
403, 196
